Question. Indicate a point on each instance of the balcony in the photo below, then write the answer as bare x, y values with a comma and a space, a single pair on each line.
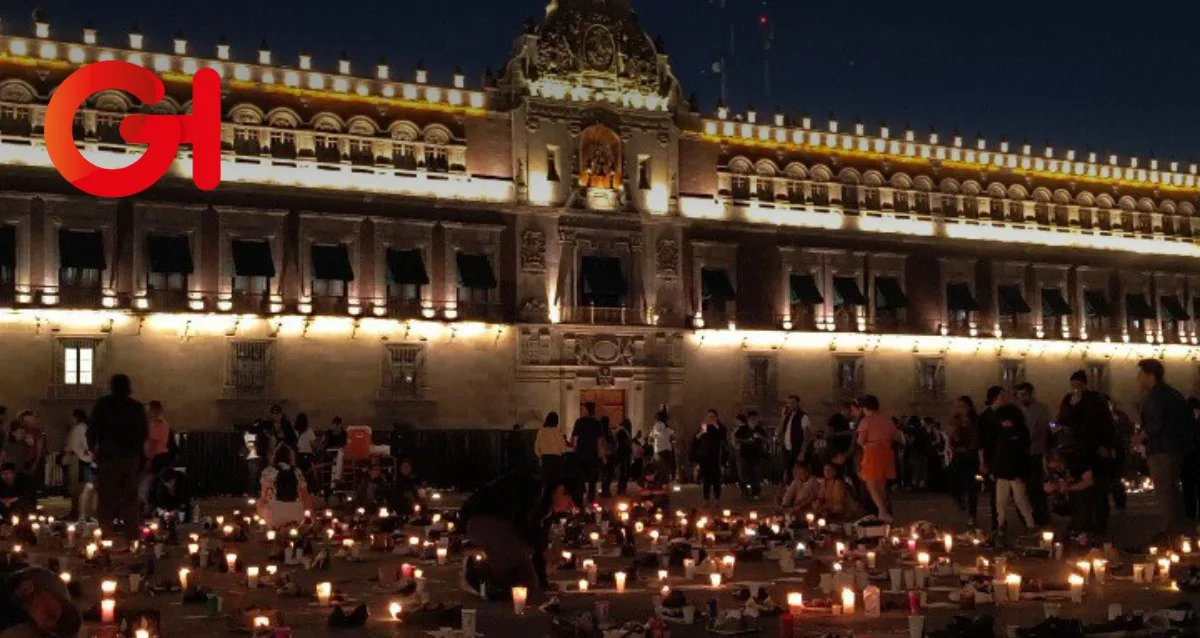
404, 308
168, 300
330, 305
251, 303
603, 315
89, 297
486, 311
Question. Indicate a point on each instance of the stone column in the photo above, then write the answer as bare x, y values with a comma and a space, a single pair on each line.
637, 286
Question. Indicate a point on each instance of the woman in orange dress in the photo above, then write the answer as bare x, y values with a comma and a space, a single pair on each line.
876, 433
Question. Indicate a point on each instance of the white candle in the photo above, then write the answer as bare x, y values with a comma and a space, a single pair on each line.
795, 603
324, 593
727, 565
870, 560
394, 610
948, 542
1100, 570
589, 568
595, 538
848, 602
442, 554
1085, 567
840, 549
715, 579
108, 610
1076, 588
183, 577
231, 560
90, 551
1186, 546
583, 584
1164, 568
270, 536
65, 577
108, 588
260, 622
144, 633
70, 535
619, 578
689, 568
519, 595
1014, 586
923, 559
662, 575
654, 536
252, 577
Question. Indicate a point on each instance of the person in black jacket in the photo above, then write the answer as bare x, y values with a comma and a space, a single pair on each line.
750, 446
118, 433
1010, 464
988, 428
708, 452
509, 519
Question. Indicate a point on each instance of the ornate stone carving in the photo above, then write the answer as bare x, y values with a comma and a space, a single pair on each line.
567, 235
536, 347
667, 258
533, 251
607, 350
534, 309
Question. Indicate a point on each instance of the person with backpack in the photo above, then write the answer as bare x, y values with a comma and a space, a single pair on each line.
284, 492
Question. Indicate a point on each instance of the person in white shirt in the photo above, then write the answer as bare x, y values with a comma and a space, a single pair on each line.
80, 468
803, 491
305, 437
794, 428
662, 438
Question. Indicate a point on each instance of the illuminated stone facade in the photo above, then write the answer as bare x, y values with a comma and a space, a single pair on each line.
389, 250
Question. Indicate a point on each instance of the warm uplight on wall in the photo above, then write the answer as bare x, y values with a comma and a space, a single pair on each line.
658, 199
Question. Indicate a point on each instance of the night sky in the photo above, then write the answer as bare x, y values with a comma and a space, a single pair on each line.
1078, 76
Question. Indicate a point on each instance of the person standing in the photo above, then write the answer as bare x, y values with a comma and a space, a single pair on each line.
708, 452
989, 429
117, 434
749, 457
662, 440
1190, 471
876, 434
158, 446
588, 439
1010, 466
305, 438
793, 429
80, 468
963, 438
839, 434
1037, 418
622, 461
549, 446
1087, 430
1166, 423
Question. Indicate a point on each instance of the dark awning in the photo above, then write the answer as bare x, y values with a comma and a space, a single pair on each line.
1011, 301
252, 258
169, 254
1196, 306
1136, 307
1173, 308
960, 299
847, 293
1096, 304
8, 247
889, 295
331, 262
81, 249
475, 271
407, 267
1053, 303
715, 285
805, 291
602, 276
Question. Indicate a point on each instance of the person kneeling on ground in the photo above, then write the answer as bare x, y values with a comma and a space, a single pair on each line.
803, 491
284, 492
14, 494
171, 492
509, 520
835, 500
407, 493
35, 603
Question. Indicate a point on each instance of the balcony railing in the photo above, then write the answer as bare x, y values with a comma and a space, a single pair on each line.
80, 296
480, 311
168, 299
251, 302
404, 308
602, 315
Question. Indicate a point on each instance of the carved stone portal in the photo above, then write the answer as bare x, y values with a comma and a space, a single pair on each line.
667, 259
533, 251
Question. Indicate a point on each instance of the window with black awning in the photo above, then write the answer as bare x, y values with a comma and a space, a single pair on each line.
406, 267
715, 285
8, 253
1053, 303
1095, 304
252, 258
847, 293
475, 271
1136, 307
1173, 308
889, 295
960, 299
169, 254
81, 249
332, 263
601, 282
1196, 306
805, 291
1011, 301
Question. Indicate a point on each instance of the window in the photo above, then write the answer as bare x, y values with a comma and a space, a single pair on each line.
758, 383
435, 159
931, 381
331, 270
847, 375
362, 152
403, 156
404, 370
900, 201
249, 367
644, 172
328, 149
283, 144
552, 164
108, 129
79, 362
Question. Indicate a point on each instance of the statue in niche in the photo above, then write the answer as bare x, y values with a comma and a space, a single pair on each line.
599, 153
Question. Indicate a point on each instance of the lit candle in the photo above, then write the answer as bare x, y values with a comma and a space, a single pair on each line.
689, 568
252, 577
810, 517
948, 542
271, 536
715, 579
70, 535
272, 570
231, 560
324, 593
442, 554
727, 565
108, 609
519, 595
394, 610
619, 578
754, 516
795, 603
595, 538
220, 520
820, 522
261, 622
1186, 546
1153, 551
589, 568
383, 512
1014, 586
662, 575
840, 549
108, 588
923, 559
1047, 540
1164, 568
665, 591
65, 577
583, 585
107, 544
848, 601
639, 527
912, 545
193, 549
227, 530
1085, 567
90, 551
183, 577
1076, 588
654, 536
727, 513
870, 560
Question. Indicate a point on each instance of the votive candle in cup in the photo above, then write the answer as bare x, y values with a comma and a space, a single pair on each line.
870, 560
619, 579
324, 593
252, 577
1014, 586
108, 588
583, 585
394, 610
108, 611
715, 579
848, 601
795, 603
948, 542
519, 596
1076, 582
442, 555
231, 560
183, 577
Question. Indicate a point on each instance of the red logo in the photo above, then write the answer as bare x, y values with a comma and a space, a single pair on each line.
163, 133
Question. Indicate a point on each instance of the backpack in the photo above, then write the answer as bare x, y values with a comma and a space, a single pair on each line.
287, 486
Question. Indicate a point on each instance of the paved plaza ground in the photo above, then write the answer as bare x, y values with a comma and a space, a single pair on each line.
355, 580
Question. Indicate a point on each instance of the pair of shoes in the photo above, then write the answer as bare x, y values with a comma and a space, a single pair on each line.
339, 619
